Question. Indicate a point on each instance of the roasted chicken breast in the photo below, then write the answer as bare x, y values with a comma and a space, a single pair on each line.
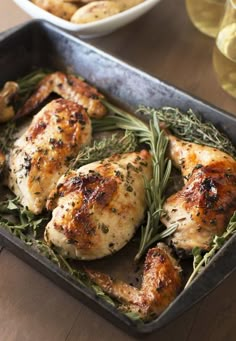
68, 87
97, 208
42, 154
204, 206
160, 285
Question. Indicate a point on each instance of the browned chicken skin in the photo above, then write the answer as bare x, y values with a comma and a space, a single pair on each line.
98, 207
204, 206
68, 87
7, 93
2, 161
161, 284
42, 154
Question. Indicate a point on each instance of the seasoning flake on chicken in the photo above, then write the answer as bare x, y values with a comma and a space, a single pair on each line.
204, 206
160, 284
68, 87
42, 154
98, 208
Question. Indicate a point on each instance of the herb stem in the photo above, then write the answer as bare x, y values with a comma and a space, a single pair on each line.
199, 262
158, 142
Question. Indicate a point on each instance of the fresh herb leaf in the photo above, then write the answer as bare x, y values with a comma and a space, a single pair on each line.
28, 84
133, 316
24, 222
27, 227
157, 141
197, 256
200, 261
189, 127
105, 148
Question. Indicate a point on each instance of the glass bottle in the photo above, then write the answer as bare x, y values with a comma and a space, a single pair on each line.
206, 15
224, 54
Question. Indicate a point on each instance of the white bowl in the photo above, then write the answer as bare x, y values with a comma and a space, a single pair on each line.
93, 29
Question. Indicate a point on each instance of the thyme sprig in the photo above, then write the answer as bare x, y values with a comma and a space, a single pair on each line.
201, 261
157, 141
104, 148
19, 220
189, 127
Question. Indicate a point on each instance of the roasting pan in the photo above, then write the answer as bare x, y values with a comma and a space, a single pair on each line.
39, 44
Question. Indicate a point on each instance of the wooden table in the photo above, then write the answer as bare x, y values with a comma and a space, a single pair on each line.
165, 44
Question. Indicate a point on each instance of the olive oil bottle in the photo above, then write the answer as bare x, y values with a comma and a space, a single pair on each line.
224, 58
206, 15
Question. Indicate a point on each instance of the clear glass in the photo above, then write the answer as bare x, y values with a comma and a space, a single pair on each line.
206, 15
224, 55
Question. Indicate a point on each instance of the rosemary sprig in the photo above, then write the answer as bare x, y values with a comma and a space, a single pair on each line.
104, 148
28, 84
157, 141
200, 261
155, 189
119, 119
189, 127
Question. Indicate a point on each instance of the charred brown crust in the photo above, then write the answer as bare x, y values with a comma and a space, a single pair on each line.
92, 189
162, 282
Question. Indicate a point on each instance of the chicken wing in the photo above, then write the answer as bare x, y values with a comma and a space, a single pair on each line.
160, 285
204, 206
68, 87
97, 208
42, 154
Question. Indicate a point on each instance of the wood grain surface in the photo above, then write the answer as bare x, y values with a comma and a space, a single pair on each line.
163, 43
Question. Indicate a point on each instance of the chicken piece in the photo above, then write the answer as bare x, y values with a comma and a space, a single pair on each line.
204, 206
97, 208
95, 11
57, 7
2, 161
8, 92
68, 87
160, 285
42, 154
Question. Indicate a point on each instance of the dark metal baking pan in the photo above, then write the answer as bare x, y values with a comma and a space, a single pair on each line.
39, 44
